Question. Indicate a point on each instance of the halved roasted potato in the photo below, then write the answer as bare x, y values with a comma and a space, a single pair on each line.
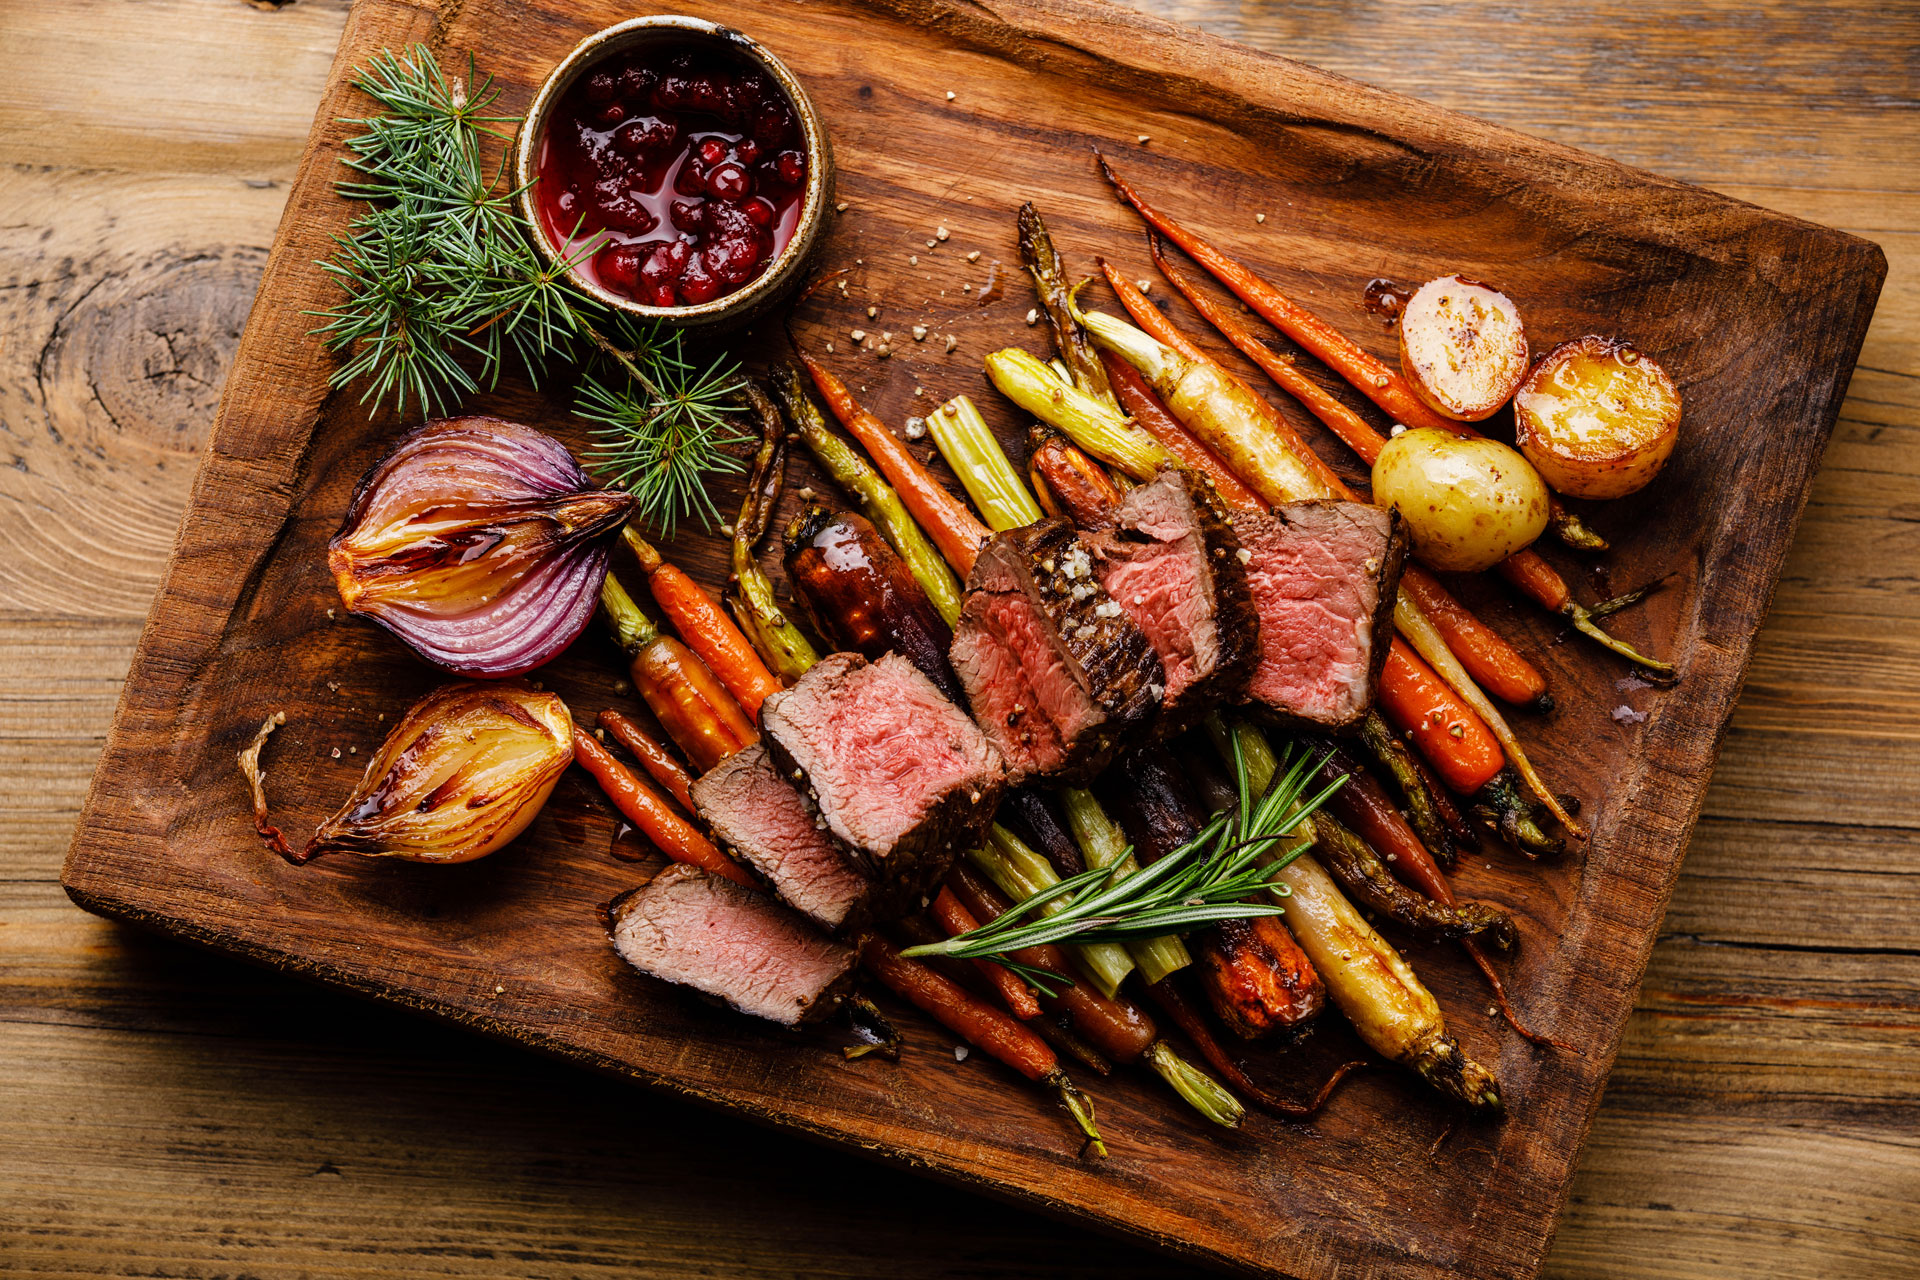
1462, 346
1596, 418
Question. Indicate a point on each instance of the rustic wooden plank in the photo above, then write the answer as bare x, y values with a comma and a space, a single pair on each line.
1848, 190
240, 614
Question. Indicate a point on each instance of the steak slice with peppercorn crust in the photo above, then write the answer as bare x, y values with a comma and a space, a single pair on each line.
899, 776
1057, 673
1172, 562
760, 816
731, 943
1323, 576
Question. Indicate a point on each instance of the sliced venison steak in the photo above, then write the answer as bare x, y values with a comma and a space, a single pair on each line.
1056, 672
700, 931
1172, 563
900, 775
761, 817
1323, 577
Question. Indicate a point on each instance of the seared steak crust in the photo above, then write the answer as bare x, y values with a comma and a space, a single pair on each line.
1056, 672
900, 776
1172, 562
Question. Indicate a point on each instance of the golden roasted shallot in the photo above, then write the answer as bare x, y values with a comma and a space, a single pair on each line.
480, 543
465, 770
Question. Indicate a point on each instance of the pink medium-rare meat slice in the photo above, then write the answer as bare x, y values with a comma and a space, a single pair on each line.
760, 816
1172, 563
734, 944
1323, 577
1056, 672
899, 774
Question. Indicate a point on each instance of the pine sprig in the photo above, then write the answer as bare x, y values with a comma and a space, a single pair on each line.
1220, 874
444, 290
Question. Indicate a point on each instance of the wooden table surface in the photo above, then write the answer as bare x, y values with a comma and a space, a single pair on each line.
165, 1112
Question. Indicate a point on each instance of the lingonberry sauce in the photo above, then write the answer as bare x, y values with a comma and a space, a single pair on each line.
685, 165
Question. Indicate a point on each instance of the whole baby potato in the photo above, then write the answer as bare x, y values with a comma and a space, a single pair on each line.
1469, 502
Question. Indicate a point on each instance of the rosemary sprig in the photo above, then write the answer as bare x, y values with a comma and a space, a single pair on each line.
444, 289
1218, 875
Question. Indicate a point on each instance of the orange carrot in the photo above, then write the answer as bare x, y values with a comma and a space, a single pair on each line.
970, 1018
1150, 415
650, 811
1420, 704
687, 699
1157, 326
1495, 665
1524, 569
706, 628
946, 519
1370, 376
1485, 654
955, 919
659, 762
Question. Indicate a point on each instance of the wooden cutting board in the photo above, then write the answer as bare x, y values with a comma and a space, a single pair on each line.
1758, 316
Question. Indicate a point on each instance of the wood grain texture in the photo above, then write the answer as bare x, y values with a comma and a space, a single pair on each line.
1669, 1162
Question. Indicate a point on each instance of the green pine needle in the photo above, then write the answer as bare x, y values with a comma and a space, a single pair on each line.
444, 290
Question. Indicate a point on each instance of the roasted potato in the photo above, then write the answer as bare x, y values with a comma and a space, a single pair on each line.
1462, 346
1596, 418
1469, 502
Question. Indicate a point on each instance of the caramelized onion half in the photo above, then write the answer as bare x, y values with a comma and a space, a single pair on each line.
480, 543
465, 770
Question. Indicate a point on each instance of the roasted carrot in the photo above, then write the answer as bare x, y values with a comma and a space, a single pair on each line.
1153, 322
657, 760
1444, 729
1119, 1031
1372, 377
1173, 1001
689, 702
705, 627
1222, 413
650, 811
955, 919
1462, 750
1376, 988
979, 1024
861, 596
945, 518
1487, 657
1534, 577
1150, 414
1494, 664
1364, 806
1078, 486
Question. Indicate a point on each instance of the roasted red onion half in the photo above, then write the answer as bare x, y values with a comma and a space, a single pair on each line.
480, 543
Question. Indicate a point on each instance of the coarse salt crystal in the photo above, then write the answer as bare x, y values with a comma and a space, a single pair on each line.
1033, 316
1624, 714
940, 233
1244, 556
919, 333
959, 1050
974, 256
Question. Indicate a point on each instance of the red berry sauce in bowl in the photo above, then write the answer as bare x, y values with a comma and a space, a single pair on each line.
673, 164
